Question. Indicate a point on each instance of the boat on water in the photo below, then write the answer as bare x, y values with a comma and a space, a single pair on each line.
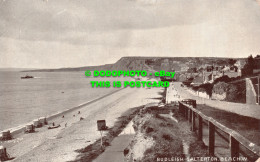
27, 77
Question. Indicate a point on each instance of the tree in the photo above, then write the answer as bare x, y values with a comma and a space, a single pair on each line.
249, 66
192, 70
231, 62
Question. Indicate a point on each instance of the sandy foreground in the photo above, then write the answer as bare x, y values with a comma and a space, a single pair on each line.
60, 144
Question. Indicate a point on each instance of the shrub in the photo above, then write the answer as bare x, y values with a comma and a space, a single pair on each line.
149, 129
224, 78
167, 137
232, 93
202, 90
195, 88
220, 88
207, 88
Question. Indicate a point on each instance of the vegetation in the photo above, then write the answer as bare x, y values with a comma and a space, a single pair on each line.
192, 70
167, 144
225, 79
168, 137
204, 88
231, 62
234, 93
250, 65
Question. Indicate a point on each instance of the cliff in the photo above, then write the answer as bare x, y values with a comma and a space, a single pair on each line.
151, 64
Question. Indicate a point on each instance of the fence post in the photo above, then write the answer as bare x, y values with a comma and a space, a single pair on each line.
186, 113
258, 81
193, 126
182, 110
194, 104
234, 147
200, 133
211, 138
190, 115
180, 107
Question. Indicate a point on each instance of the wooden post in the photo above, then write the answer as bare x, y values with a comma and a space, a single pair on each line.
181, 108
234, 147
187, 113
200, 133
258, 95
190, 115
183, 111
101, 143
101, 126
211, 138
193, 126
194, 104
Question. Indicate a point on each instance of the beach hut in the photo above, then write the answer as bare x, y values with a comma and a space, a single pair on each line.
36, 123
3, 154
43, 121
29, 128
6, 135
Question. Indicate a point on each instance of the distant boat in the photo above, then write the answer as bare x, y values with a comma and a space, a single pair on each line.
27, 77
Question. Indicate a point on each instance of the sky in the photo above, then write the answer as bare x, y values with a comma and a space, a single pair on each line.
74, 33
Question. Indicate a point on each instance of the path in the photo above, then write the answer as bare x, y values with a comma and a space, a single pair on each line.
238, 108
115, 152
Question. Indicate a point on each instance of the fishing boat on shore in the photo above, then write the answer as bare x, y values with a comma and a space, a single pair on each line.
27, 77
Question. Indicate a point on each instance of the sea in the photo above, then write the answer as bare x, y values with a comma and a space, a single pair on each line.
22, 100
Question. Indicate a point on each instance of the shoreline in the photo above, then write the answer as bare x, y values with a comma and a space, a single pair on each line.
20, 128
61, 144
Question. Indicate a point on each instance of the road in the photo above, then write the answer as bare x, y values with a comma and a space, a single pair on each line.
238, 108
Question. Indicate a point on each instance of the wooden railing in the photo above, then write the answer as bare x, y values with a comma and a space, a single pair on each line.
188, 109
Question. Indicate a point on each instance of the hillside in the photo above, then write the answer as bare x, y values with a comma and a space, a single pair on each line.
152, 64
84, 68
16, 69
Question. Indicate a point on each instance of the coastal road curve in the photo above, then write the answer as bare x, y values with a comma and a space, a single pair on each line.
238, 108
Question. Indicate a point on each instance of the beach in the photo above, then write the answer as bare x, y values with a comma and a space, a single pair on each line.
23, 100
60, 144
